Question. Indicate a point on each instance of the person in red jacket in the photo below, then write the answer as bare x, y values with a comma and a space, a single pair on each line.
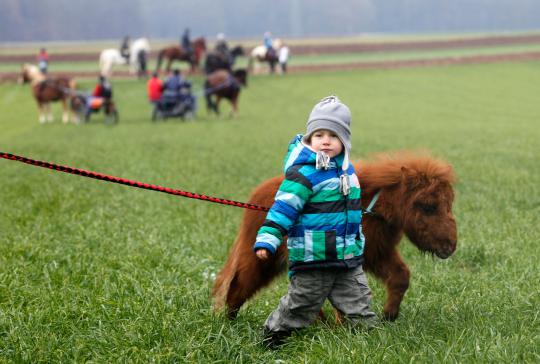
101, 96
103, 89
154, 87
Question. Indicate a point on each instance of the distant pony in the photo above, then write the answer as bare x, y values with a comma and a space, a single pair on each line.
138, 55
224, 84
261, 55
46, 90
415, 200
177, 53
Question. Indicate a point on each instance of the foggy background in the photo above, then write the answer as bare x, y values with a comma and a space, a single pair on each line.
53, 20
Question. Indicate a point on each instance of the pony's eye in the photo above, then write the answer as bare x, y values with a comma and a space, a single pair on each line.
427, 209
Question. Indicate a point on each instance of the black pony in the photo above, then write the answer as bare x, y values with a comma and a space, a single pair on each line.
218, 60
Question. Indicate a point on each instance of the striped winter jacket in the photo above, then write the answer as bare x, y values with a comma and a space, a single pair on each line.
323, 226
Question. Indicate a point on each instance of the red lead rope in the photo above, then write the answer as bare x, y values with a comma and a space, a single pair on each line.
128, 182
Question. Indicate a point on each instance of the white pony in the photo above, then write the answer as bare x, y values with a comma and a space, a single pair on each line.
260, 55
138, 53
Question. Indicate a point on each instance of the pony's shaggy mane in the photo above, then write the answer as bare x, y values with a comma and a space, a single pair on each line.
386, 170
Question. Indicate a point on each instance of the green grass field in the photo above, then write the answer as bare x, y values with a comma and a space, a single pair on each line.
97, 272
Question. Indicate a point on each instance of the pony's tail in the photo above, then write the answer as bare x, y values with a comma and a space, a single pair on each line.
223, 281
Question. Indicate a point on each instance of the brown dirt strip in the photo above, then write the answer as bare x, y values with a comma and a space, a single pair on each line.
446, 61
331, 48
391, 64
416, 45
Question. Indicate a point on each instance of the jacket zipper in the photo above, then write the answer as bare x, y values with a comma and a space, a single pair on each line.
345, 198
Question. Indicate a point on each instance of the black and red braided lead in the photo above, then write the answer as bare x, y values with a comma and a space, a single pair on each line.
123, 181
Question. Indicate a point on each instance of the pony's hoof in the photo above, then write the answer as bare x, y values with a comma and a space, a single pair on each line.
232, 313
390, 315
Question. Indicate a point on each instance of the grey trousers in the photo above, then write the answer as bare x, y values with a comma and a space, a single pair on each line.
347, 291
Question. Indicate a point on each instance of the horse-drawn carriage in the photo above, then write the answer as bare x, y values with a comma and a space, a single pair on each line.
84, 105
182, 104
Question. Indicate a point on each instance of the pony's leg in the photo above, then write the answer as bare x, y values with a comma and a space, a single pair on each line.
218, 100
208, 97
65, 114
234, 111
41, 111
50, 116
272, 67
395, 274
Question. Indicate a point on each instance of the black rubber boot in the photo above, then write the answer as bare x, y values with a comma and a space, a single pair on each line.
274, 339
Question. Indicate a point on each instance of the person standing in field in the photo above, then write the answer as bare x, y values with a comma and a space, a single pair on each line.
154, 87
43, 60
283, 57
318, 208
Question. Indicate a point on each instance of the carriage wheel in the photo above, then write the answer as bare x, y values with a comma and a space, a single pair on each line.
112, 117
156, 114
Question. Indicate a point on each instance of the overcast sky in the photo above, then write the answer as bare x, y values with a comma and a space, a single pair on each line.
36, 20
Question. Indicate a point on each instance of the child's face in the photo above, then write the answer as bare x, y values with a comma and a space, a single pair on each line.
326, 141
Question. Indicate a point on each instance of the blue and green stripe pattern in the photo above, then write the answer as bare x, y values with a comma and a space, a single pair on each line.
322, 226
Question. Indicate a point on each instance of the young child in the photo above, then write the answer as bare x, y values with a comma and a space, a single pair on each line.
318, 208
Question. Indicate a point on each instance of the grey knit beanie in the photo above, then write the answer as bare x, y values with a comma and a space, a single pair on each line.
331, 114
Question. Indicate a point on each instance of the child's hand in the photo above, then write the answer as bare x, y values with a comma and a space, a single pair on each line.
262, 254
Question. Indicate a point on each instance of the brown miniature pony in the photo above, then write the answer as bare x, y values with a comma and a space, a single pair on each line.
46, 90
415, 199
176, 52
224, 84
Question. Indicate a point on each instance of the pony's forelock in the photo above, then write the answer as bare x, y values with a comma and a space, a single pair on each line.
386, 170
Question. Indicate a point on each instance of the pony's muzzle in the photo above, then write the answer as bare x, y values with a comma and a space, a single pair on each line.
448, 249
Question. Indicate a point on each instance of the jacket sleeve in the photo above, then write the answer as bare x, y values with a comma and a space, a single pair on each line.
97, 91
290, 199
